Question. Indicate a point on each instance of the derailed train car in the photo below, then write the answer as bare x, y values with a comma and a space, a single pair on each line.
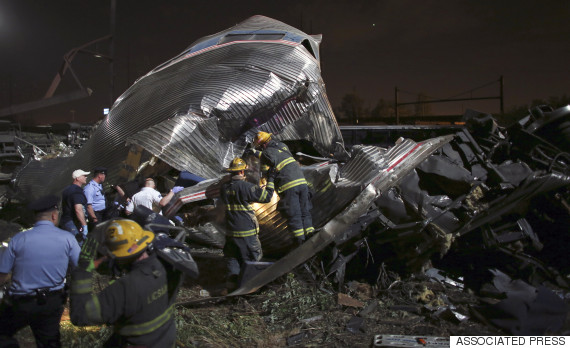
404, 204
197, 111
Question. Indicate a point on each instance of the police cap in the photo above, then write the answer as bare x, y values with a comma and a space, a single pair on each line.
45, 203
98, 170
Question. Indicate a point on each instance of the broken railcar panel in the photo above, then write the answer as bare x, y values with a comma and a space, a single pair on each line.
183, 139
540, 148
231, 89
334, 189
547, 123
532, 186
459, 198
401, 159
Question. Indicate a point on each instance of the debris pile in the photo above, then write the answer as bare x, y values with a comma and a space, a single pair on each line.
478, 202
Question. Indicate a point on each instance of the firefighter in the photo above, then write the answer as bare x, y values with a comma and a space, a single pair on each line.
242, 225
139, 305
289, 182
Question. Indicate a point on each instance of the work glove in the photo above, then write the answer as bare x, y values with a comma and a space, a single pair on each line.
87, 254
271, 174
177, 189
248, 152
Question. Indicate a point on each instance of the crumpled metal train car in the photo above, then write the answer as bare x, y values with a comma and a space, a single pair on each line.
197, 111
406, 203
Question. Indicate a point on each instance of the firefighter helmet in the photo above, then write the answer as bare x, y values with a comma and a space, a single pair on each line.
261, 138
237, 165
126, 238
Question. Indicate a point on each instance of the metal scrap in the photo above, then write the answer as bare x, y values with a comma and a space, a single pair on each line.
470, 198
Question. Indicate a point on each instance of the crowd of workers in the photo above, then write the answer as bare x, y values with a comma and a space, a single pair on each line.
47, 264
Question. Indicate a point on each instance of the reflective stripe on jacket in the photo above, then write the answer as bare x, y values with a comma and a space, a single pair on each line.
237, 196
278, 156
140, 305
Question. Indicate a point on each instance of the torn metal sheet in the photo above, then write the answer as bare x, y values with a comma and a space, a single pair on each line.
401, 159
369, 172
483, 199
334, 189
197, 111
547, 123
523, 309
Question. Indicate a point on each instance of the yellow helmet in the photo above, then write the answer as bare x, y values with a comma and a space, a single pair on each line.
237, 165
126, 238
261, 138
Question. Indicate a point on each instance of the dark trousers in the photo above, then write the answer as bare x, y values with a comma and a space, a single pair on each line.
101, 216
295, 204
43, 319
240, 249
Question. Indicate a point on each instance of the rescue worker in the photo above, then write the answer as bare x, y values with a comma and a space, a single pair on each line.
38, 260
149, 197
291, 186
243, 243
139, 305
96, 205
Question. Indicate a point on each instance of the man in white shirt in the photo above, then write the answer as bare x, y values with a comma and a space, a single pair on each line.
149, 197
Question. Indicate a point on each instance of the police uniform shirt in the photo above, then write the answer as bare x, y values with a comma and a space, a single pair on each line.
95, 196
38, 258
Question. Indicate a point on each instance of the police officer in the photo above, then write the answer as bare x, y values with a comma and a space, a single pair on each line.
139, 305
38, 260
289, 182
243, 244
95, 195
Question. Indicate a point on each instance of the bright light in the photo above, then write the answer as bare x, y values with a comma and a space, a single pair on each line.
105, 111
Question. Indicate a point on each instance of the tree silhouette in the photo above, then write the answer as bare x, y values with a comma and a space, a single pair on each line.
383, 110
352, 108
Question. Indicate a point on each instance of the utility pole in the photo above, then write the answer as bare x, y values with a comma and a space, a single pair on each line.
396, 105
112, 54
501, 81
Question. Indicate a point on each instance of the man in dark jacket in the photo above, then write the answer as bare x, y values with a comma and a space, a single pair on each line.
242, 243
289, 182
74, 206
139, 305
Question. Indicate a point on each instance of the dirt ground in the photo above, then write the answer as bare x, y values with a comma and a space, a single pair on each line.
295, 310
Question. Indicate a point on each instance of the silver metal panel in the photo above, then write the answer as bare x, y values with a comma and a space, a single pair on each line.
335, 189
197, 111
402, 159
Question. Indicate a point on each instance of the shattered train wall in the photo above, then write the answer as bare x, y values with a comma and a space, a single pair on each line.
197, 111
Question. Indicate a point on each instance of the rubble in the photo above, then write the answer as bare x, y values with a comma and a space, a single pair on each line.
346, 300
479, 197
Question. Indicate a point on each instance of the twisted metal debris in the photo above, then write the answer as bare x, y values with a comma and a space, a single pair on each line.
198, 110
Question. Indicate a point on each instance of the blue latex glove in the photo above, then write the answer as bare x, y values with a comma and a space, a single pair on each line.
177, 189
84, 230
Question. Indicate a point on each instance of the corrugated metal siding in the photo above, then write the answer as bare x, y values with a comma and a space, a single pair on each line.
229, 90
334, 188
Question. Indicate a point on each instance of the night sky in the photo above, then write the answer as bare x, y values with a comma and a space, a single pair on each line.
438, 48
